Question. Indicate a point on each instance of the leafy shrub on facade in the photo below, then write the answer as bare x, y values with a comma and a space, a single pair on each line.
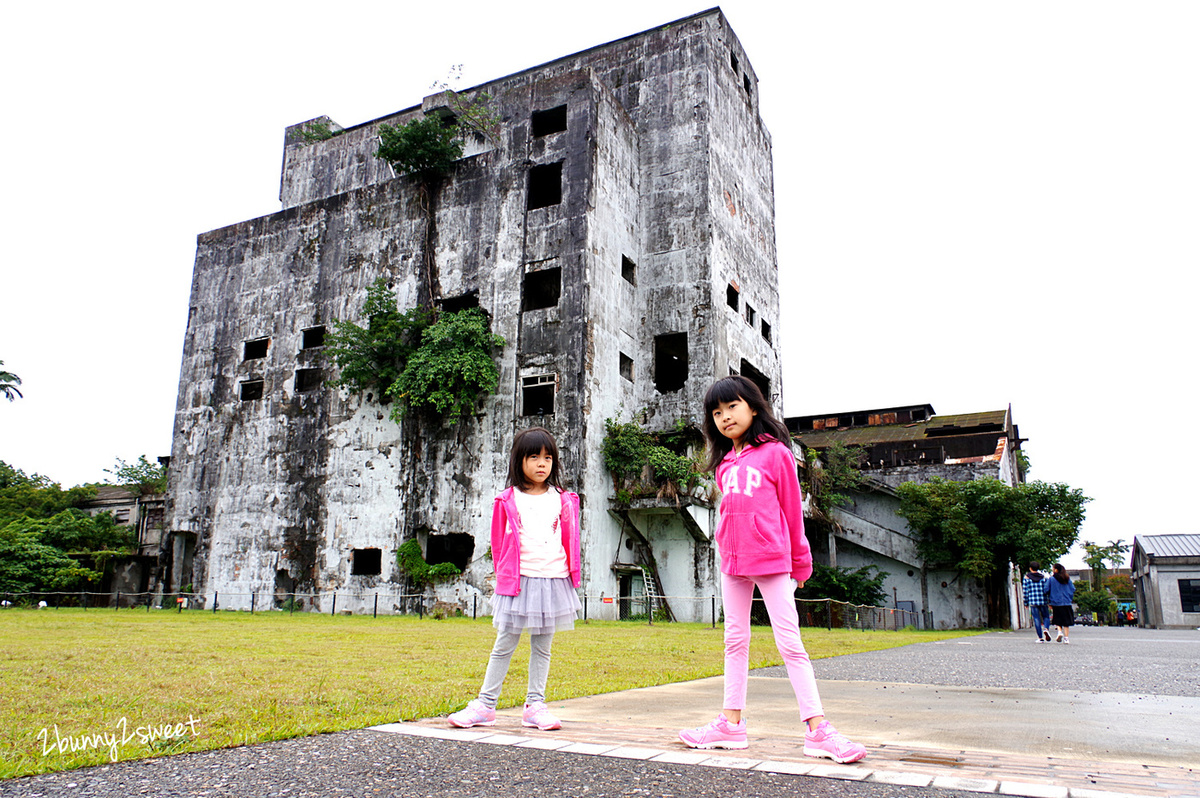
411, 562
858, 586
427, 146
644, 463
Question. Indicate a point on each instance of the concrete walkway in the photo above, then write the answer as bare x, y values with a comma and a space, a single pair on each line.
1051, 741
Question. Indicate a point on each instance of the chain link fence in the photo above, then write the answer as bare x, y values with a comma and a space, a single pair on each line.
650, 610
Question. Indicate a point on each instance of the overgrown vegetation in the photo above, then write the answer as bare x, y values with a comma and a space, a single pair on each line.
439, 362
46, 542
829, 475
646, 463
412, 562
427, 146
142, 477
854, 586
318, 130
9, 383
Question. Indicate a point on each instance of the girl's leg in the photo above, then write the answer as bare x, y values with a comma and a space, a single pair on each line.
497, 669
779, 596
539, 667
737, 593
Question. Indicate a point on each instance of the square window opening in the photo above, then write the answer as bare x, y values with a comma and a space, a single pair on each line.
918, 414
751, 315
465, 301
542, 289
545, 185
670, 362
366, 562
537, 395
308, 380
626, 366
628, 270
1189, 595
312, 338
766, 332
453, 547
253, 350
251, 390
757, 377
731, 296
552, 120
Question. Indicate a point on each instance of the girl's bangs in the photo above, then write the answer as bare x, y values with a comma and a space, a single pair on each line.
725, 390
532, 441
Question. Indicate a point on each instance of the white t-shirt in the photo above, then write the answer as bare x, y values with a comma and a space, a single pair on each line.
542, 552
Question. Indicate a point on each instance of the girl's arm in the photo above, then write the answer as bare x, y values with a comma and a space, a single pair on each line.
791, 504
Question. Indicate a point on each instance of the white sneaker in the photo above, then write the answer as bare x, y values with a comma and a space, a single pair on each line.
1059, 639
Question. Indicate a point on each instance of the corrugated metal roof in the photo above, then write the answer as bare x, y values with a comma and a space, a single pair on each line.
1169, 545
917, 431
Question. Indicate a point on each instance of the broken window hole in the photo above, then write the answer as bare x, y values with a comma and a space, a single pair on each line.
542, 289
251, 390
366, 562
308, 380
537, 395
453, 547
253, 350
628, 270
545, 185
746, 84
731, 296
312, 338
670, 362
766, 332
757, 377
552, 120
733, 62
626, 365
462, 302
751, 315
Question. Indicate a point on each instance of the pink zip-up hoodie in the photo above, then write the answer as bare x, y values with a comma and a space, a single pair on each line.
506, 540
761, 530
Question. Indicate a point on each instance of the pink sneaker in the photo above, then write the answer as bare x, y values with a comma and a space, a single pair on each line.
536, 715
475, 713
720, 733
828, 741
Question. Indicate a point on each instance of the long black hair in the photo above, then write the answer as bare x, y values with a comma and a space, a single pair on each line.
1061, 574
765, 427
528, 442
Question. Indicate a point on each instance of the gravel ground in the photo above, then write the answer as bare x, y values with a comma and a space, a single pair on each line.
366, 763
1099, 659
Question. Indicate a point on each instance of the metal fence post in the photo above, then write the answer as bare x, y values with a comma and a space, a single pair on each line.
333, 604
375, 612
216, 599
829, 614
475, 607
252, 595
649, 611
714, 611
585, 606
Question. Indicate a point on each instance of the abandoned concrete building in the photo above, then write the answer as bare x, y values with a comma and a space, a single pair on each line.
911, 444
1166, 579
618, 232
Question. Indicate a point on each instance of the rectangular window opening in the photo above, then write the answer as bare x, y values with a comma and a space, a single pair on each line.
746, 84
1189, 595
366, 562
757, 377
465, 301
552, 120
542, 289
751, 315
626, 365
313, 338
731, 296
253, 350
308, 380
628, 270
766, 331
733, 62
452, 547
537, 395
670, 362
251, 390
545, 185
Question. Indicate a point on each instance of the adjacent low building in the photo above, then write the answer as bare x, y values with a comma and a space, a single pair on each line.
1166, 580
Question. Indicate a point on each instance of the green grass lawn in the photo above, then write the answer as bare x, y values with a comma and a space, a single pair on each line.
66, 674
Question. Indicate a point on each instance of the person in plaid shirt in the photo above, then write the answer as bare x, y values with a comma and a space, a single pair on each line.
1033, 586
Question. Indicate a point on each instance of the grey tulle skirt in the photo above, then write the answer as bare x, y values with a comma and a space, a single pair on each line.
544, 606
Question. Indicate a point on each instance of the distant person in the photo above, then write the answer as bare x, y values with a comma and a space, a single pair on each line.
1033, 588
761, 541
535, 551
1060, 596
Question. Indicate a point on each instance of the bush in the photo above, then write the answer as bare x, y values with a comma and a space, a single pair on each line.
427, 145
857, 586
411, 562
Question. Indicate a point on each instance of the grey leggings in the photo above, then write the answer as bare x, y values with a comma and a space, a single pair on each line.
497, 669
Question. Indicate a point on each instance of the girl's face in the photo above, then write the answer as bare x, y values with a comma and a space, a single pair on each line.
537, 469
733, 419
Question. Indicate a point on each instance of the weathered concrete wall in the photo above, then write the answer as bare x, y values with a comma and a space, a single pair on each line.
279, 491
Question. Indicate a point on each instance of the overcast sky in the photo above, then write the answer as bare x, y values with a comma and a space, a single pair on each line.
978, 204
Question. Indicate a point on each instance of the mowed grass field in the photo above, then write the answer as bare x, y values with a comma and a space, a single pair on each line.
163, 683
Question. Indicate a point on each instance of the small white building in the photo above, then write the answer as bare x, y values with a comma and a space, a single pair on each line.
1166, 578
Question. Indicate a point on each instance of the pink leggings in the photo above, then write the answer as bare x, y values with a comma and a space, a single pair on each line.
777, 593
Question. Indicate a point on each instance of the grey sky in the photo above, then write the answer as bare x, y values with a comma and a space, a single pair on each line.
977, 203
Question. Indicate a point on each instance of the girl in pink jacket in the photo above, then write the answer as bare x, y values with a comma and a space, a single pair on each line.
535, 551
761, 541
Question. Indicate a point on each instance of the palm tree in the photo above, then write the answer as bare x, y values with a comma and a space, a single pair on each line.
9, 383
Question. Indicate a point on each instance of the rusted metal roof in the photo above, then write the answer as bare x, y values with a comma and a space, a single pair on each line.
1169, 545
937, 426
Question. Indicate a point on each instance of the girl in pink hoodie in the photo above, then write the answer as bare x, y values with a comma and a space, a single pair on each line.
761, 542
535, 551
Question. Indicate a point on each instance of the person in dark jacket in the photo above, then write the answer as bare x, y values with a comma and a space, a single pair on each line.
1033, 588
1060, 595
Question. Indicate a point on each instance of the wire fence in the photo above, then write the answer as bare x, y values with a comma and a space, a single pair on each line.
650, 610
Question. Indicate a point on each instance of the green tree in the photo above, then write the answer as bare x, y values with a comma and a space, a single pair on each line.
1120, 586
27, 564
982, 527
35, 496
1097, 556
9, 383
829, 475
372, 358
427, 146
450, 369
141, 477
854, 586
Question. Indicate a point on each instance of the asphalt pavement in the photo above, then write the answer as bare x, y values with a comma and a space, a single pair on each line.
1115, 713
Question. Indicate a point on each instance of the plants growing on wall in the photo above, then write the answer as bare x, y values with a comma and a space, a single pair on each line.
829, 475
425, 360
412, 562
646, 463
854, 586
